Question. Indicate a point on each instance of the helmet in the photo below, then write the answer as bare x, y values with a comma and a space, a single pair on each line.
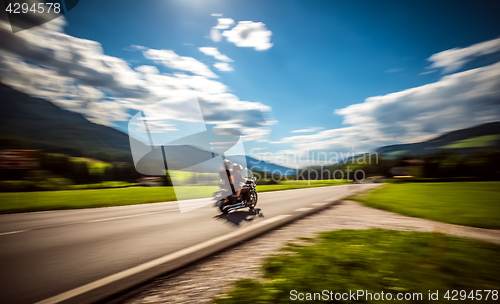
237, 167
227, 164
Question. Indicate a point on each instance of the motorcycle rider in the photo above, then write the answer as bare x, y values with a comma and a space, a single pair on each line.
231, 181
238, 181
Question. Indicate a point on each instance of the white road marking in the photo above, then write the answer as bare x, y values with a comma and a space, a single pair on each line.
157, 204
12, 232
122, 217
302, 209
319, 204
93, 221
156, 262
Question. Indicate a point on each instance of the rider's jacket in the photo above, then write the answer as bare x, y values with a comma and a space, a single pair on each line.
237, 179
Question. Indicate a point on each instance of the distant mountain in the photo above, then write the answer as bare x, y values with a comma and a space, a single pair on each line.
262, 166
188, 158
485, 136
34, 123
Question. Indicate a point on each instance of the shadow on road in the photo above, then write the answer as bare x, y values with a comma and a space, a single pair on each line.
236, 217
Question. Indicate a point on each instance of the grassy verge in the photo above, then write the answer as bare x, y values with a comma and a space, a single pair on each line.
474, 204
288, 185
374, 261
108, 184
77, 199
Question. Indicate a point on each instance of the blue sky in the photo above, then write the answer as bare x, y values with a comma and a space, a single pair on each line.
325, 56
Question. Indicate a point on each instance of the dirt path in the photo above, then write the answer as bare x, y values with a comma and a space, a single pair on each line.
213, 276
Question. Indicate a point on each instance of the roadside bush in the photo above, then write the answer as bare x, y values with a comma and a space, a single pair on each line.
37, 175
80, 172
15, 185
103, 185
53, 183
38, 180
57, 163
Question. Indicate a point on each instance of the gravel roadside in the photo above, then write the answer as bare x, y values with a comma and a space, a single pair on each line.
213, 276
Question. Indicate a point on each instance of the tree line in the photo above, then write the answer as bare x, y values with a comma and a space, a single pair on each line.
478, 165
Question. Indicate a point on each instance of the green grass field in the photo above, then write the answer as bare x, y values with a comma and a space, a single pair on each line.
474, 204
474, 142
374, 260
77, 199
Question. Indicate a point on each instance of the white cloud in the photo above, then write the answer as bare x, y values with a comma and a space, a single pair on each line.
309, 130
250, 34
170, 59
224, 23
453, 59
455, 101
428, 72
75, 73
219, 107
71, 57
223, 66
216, 15
213, 51
215, 35
395, 70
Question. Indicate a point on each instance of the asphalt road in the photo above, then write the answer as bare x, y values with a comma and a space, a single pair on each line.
43, 254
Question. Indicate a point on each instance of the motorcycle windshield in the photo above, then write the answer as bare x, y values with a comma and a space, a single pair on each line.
246, 173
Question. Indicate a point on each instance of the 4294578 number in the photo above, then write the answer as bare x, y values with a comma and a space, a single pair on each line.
455, 295
38, 8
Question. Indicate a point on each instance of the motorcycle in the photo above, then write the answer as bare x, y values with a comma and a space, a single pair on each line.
227, 203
